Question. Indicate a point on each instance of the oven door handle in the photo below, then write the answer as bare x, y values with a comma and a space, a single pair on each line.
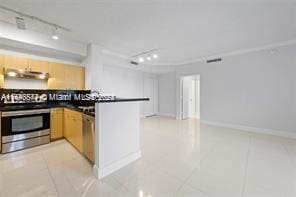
24, 112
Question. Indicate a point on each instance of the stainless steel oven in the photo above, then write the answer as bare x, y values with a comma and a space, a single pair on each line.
24, 128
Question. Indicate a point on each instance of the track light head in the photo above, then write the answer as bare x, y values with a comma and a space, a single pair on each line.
54, 34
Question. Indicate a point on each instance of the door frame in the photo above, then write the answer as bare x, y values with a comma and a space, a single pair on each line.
181, 77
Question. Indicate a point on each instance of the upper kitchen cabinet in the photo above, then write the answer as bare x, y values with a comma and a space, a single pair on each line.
1, 72
56, 76
75, 80
15, 62
63, 76
24, 63
38, 65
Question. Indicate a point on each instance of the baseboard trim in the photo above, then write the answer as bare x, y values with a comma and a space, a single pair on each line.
105, 171
166, 115
279, 133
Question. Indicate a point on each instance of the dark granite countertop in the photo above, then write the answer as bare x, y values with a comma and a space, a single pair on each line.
123, 100
14, 107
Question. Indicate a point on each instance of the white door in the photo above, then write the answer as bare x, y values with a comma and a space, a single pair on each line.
191, 99
186, 83
151, 91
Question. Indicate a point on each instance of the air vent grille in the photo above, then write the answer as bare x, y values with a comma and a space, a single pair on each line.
214, 60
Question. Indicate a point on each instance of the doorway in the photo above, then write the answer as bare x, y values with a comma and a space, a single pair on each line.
151, 92
190, 96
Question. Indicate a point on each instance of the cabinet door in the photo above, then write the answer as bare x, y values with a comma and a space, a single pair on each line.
57, 78
56, 123
67, 124
15, 62
81, 78
77, 132
38, 65
1, 72
75, 80
73, 128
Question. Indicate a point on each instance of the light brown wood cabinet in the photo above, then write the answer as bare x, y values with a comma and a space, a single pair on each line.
61, 76
73, 128
1, 72
18, 62
38, 65
56, 123
57, 76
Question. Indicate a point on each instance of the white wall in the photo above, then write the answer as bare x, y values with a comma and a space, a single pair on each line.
167, 94
124, 82
17, 83
255, 89
111, 75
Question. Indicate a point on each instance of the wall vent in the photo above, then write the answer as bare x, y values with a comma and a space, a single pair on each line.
214, 60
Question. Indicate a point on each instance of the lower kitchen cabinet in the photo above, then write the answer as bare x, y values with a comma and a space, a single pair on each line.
56, 123
73, 128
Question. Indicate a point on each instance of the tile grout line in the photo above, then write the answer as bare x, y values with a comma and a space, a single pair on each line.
186, 180
246, 167
122, 185
288, 153
55, 185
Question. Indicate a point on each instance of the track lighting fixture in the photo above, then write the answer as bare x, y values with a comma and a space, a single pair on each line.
20, 21
146, 55
141, 59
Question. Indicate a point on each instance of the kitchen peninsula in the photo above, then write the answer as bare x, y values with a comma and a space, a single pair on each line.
107, 132
117, 136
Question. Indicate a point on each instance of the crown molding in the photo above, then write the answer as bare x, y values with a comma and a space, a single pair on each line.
236, 52
204, 58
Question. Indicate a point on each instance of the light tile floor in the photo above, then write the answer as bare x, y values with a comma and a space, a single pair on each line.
180, 159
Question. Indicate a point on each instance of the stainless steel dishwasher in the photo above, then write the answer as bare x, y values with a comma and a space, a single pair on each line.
89, 137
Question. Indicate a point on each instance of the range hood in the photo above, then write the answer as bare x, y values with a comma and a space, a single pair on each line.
25, 73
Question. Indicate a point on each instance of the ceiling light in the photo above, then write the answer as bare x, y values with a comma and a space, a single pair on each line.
141, 59
55, 37
42, 76
149, 58
20, 23
54, 34
11, 74
155, 56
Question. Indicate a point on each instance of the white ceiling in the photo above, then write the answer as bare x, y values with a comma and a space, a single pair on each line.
182, 30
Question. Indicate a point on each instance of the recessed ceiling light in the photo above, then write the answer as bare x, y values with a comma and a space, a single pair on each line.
11, 74
141, 59
149, 58
155, 56
55, 37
